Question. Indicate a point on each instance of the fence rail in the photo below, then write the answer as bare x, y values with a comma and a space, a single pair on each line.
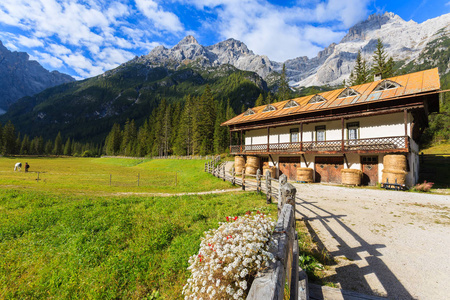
201, 157
270, 283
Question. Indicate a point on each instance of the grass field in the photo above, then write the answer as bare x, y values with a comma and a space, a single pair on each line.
109, 175
61, 241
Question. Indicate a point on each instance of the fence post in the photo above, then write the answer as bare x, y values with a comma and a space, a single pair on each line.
258, 181
224, 175
268, 188
243, 179
205, 166
233, 180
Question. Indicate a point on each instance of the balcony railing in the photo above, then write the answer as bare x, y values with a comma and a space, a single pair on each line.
384, 144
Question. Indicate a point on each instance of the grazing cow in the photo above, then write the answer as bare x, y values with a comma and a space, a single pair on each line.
18, 166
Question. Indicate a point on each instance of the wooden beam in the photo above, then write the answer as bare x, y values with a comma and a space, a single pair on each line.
268, 138
301, 138
342, 141
405, 117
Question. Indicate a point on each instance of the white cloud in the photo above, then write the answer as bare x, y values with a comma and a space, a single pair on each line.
48, 59
162, 19
29, 42
282, 33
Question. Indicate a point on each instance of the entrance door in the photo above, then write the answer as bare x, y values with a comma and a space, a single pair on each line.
288, 167
370, 170
328, 169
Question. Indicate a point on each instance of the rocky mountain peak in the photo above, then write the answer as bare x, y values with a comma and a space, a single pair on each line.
373, 22
187, 40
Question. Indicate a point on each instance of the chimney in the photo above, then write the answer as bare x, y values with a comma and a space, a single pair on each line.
377, 77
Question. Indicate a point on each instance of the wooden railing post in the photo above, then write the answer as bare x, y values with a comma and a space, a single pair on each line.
268, 188
205, 166
223, 166
243, 179
233, 180
258, 181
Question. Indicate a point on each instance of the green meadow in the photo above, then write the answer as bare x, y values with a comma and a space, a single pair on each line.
96, 241
109, 175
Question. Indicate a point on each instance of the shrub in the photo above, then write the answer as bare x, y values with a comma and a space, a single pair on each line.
229, 258
423, 187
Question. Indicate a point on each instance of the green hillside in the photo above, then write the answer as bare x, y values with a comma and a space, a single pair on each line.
86, 110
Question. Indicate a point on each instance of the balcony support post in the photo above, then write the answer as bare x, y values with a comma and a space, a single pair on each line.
405, 117
230, 140
301, 137
342, 141
268, 138
241, 142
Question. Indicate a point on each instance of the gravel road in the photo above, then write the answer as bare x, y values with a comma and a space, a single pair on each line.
386, 243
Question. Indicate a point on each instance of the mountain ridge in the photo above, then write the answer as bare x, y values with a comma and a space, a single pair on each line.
20, 77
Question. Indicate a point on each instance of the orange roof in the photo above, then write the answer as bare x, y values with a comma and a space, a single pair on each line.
409, 84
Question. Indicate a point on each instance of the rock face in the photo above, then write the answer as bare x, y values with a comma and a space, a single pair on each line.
21, 77
404, 41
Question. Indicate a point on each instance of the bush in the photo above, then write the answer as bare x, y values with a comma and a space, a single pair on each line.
229, 258
423, 187
87, 153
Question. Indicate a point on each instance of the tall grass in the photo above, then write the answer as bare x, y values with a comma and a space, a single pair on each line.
84, 247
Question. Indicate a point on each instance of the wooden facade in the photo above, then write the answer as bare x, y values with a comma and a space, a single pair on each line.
345, 125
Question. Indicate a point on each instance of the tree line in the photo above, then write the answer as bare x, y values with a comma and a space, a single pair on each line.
11, 143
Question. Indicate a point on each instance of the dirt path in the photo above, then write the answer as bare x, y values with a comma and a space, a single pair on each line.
386, 243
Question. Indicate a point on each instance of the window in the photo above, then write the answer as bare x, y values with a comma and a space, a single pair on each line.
269, 108
386, 85
317, 99
320, 133
294, 135
348, 92
353, 131
291, 103
249, 112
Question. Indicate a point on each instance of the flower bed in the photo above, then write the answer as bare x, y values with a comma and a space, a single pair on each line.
229, 257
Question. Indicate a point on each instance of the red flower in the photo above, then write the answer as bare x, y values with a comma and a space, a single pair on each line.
235, 218
228, 219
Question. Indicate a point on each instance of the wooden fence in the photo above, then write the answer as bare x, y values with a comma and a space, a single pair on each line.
165, 157
283, 275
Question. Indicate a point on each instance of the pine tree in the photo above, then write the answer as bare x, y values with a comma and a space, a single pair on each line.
203, 124
113, 141
184, 141
48, 147
58, 148
220, 132
382, 64
9, 139
25, 146
284, 91
360, 73
68, 147
260, 100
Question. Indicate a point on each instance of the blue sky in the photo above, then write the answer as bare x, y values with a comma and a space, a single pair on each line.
87, 37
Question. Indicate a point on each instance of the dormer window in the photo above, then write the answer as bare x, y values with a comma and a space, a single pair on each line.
317, 99
386, 85
249, 112
348, 92
291, 103
269, 108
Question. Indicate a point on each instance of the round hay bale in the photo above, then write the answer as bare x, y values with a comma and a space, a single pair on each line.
394, 162
351, 176
253, 161
271, 169
239, 164
392, 175
305, 174
250, 170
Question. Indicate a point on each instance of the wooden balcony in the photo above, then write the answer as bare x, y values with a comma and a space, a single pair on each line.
372, 145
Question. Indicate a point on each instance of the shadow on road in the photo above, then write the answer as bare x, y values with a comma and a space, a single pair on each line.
365, 262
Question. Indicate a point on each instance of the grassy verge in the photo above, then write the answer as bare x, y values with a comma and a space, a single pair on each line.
87, 247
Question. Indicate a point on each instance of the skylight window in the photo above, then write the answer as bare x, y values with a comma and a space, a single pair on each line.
348, 92
269, 108
386, 85
317, 99
249, 112
291, 103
